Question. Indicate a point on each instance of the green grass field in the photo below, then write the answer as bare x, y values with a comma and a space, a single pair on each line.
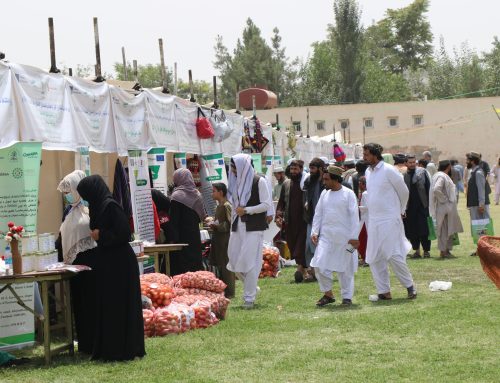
451, 336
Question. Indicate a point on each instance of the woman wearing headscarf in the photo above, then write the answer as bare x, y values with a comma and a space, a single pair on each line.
186, 213
443, 208
78, 248
119, 325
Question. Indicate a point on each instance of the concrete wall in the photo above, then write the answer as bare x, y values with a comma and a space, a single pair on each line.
450, 128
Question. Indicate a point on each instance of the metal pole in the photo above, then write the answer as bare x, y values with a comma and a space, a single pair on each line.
277, 121
364, 133
334, 139
70, 72
125, 70
216, 105
192, 99
98, 73
163, 71
254, 107
53, 66
175, 79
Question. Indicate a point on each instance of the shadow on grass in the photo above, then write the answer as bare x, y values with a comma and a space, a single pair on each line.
332, 307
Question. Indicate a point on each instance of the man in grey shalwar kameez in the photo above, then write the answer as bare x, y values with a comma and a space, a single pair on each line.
478, 190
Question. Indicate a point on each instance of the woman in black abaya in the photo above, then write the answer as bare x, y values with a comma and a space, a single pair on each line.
186, 213
119, 324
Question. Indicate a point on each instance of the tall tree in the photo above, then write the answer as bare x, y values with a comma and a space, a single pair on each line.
253, 63
347, 35
403, 39
491, 62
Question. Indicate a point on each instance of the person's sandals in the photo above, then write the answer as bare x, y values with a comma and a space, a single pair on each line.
412, 293
427, 254
299, 277
309, 278
325, 299
415, 255
385, 296
346, 302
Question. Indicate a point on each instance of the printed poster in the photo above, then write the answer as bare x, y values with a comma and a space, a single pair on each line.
82, 159
157, 162
140, 191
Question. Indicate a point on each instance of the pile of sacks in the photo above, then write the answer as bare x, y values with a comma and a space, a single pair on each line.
182, 303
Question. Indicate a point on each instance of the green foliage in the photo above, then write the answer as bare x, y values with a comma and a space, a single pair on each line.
491, 61
380, 85
347, 35
403, 39
254, 63
149, 76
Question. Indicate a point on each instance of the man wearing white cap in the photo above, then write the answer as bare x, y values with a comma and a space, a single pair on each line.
279, 174
387, 244
335, 231
249, 195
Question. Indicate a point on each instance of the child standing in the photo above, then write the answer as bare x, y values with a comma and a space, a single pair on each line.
221, 226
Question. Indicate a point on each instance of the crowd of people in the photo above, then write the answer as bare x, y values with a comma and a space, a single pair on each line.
375, 212
334, 217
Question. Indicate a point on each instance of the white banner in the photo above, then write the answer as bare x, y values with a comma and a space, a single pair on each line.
129, 116
160, 111
9, 123
232, 145
90, 107
140, 191
17, 325
185, 123
43, 108
157, 162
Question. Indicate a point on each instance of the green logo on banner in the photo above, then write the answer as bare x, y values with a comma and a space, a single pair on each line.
218, 177
17, 173
140, 182
155, 169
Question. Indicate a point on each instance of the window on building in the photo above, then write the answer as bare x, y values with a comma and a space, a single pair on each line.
320, 125
296, 125
393, 122
344, 124
418, 120
368, 122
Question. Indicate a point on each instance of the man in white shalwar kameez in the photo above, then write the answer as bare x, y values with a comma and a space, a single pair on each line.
335, 231
252, 202
387, 244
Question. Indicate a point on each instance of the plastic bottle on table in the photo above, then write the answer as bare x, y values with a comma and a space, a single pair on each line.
8, 256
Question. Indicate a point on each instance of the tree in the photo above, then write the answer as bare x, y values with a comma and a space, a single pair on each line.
149, 76
403, 39
347, 36
380, 85
491, 61
253, 63
443, 77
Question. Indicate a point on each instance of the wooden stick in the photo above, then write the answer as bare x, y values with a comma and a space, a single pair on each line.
98, 72
215, 105
192, 99
175, 79
53, 66
163, 71
125, 71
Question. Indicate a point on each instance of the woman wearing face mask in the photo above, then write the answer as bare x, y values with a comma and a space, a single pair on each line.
443, 208
78, 248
